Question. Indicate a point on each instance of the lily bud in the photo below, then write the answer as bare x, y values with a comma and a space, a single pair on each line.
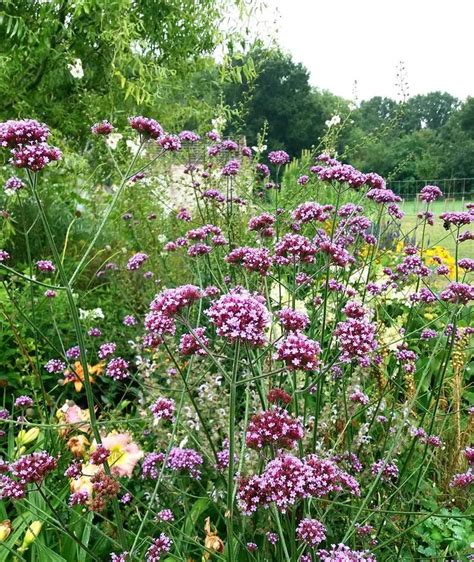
5, 530
30, 536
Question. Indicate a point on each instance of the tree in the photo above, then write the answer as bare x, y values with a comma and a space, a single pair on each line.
70, 63
282, 97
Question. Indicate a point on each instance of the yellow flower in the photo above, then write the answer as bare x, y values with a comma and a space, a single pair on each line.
30, 536
432, 257
5, 530
24, 437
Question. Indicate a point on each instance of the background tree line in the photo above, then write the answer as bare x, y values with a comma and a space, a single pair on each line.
156, 57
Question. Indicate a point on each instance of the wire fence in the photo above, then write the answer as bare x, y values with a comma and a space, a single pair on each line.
459, 189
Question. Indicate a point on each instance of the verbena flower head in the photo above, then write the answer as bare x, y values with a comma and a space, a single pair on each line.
46, 266
311, 532
55, 366
298, 352
151, 465
171, 301
136, 261
22, 132
294, 248
34, 467
117, 369
388, 470
383, 195
189, 136
190, 344
456, 218
343, 173
4, 256
460, 293
148, 128
106, 349
102, 128
278, 395
170, 143
293, 320
311, 211
278, 157
252, 259
24, 402
356, 338
342, 553
187, 460
430, 193
262, 169
240, 315
158, 548
13, 184
34, 157
231, 168
274, 427
163, 409
11, 489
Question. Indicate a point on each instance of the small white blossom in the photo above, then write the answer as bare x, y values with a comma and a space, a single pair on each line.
76, 69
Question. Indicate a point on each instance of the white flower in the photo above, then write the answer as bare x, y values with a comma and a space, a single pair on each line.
335, 120
132, 146
259, 149
76, 69
112, 140
93, 314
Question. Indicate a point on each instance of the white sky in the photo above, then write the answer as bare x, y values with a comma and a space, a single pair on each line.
341, 41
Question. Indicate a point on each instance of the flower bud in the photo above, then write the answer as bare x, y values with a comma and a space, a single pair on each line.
25, 437
5, 530
30, 536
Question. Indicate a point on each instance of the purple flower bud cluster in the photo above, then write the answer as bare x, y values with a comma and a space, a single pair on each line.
388, 470
189, 136
274, 427
46, 266
23, 132
151, 464
311, 211
456, 218
252, 259
106, 349
278, 157
117, 369
4, 256
287, 479
458, 293
294, 248
148, 128
14, 184
342, 553
187, 460
293, 320
231, 168
170, 143
55, 366
136, 261
240, 316
298, 352
311, 532
382, 196
190, 344
430, 193
163, 409
102, 128
158, 547
24, 402
263, 224
356, 339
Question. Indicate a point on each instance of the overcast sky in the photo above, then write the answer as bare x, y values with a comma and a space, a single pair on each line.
343, 41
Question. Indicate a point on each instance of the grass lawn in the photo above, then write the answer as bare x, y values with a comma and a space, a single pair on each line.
436, 235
